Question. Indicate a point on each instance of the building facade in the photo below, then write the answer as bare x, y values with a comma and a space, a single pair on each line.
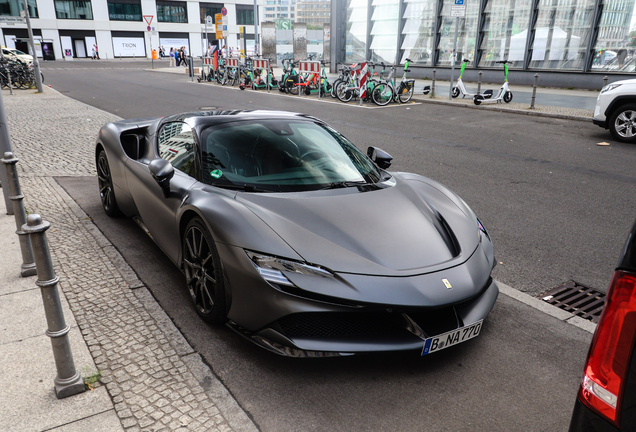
122, 28
574, 36
313, 12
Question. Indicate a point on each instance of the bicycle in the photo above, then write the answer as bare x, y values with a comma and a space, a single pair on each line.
386, 91
348, 90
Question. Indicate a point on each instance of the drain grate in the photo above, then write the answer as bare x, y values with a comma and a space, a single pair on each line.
577, 299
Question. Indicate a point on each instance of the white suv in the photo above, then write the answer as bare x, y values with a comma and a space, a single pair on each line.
616, 110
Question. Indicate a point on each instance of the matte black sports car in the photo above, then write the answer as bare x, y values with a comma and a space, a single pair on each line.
295, 238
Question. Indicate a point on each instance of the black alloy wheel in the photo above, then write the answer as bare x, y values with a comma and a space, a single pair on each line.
204, 277
106, 192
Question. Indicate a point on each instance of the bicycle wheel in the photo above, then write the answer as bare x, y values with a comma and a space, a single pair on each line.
405, 93
333, 87
382, 94
343, 93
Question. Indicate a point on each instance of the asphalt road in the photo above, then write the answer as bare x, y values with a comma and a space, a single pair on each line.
557, 206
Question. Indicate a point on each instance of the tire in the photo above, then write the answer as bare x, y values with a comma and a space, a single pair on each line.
477, 99
622, 124
333, 88
507, 97
382, 94
342, 93
405, 92
203, 272
455, 92
106, 190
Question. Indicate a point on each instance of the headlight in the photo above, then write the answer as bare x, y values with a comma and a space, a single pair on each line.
271, 268
609, 87
482, 229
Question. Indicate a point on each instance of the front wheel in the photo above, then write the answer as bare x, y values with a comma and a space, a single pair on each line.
622, 124
203, 272
455, 92
336, 83
343, 93
507, 97
405, 93
382, 94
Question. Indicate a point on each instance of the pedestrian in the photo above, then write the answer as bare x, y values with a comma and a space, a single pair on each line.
185, 57
171, 54
224, 51
94, 54
96, 51
162, 52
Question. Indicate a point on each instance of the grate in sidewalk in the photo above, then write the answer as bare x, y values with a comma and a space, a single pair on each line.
577, 299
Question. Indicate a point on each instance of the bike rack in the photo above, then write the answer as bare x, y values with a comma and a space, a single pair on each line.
309, 67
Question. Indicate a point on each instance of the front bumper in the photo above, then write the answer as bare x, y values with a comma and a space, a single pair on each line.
601, 123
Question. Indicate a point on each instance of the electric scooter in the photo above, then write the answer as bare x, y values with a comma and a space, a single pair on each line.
503, 95
461, 89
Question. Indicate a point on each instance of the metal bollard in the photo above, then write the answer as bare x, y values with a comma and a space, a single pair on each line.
28, 264
433, 84
10, 84
534, 90
604, 80
68, 381
479, 83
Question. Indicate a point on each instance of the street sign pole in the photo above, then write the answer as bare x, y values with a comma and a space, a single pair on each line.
36, 63
256, 50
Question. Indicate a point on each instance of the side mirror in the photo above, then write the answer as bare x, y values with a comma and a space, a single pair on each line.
380, 157
162, 171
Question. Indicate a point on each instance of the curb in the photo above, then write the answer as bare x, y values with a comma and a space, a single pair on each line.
500, 108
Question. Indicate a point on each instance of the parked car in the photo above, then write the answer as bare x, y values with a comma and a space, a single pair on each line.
607, 395
14, 54
616, 110
295, 238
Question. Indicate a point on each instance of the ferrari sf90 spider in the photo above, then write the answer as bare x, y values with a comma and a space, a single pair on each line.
296, 239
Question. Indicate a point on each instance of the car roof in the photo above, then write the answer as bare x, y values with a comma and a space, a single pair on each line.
206, 118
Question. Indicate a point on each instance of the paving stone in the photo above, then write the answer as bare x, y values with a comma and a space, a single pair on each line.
133, 342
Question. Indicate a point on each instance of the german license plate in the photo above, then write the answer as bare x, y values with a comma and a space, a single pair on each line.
438, 343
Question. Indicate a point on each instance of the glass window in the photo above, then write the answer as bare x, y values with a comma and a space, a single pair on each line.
356, 38
561, 34
72, 9
176, 145
384, 29
505, 32
282, 155
419, 17
615, 48
466, 36
209, 9
172, 11
124, 10
244, 15
13, 8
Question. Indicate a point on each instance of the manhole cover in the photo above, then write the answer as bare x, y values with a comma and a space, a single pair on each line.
577, 299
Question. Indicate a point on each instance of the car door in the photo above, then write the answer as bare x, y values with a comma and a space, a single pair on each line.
176, 144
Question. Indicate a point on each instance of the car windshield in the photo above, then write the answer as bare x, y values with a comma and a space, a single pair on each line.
282, 155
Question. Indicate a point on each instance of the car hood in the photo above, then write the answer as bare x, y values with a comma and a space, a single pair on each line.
410, 228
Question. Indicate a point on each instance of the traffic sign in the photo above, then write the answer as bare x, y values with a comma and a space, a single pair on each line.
224, 11
218, 20
458, 11
148, 19
459, 2
149, 28
208, 21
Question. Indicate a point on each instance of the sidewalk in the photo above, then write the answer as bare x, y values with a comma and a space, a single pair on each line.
152, 380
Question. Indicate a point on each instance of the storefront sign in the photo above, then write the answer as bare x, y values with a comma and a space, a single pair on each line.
129, 47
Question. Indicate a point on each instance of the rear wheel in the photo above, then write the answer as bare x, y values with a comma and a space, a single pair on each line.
478, 99
382, 94
622, 123
203, 272
333, 87
105, 181
343, 93
405, 93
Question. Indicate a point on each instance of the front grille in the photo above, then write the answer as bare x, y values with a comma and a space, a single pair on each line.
334, 324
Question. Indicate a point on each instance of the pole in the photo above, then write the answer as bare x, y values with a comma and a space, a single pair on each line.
28, 264
433, 84
479, 83
36, 63
450, 90
256, 50
5, 146
68, 381
534, 90
152, 58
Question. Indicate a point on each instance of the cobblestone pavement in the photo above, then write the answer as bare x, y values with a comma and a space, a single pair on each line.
155, 379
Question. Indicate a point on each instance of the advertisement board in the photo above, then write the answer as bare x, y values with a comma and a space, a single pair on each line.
129, 47
175, 43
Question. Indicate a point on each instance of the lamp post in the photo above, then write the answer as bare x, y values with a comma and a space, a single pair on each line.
36, 63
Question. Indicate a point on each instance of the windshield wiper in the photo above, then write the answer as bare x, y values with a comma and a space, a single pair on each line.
244, 187
345, 184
